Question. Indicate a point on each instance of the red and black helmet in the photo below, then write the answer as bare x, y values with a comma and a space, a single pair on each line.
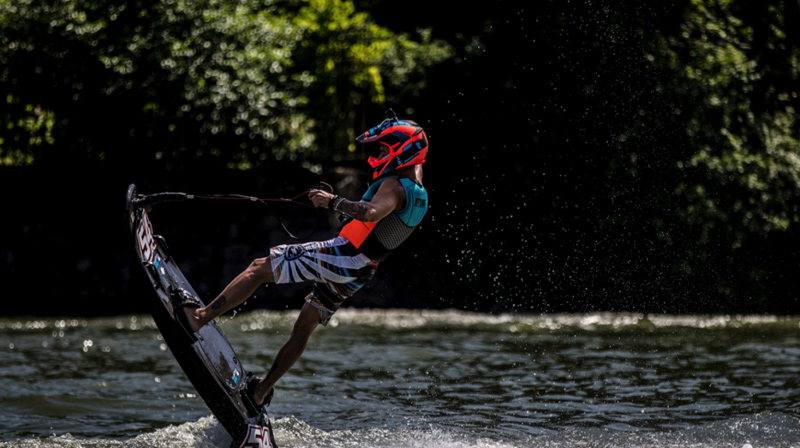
407, 143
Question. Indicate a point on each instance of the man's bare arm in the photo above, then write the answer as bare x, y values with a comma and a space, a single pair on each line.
359, 210
389, 197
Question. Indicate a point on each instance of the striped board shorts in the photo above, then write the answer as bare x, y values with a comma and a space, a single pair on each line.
337, 269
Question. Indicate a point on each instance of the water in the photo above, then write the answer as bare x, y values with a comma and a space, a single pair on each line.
419, 379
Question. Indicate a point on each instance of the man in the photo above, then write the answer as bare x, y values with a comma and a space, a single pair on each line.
389, 211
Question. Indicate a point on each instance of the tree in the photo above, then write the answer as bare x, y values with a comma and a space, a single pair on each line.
726, 100
174, 82
357, 64
736, 74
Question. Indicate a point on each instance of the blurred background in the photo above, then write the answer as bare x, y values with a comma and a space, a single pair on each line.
584, 155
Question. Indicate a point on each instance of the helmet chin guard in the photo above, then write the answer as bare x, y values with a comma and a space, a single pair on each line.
405, 139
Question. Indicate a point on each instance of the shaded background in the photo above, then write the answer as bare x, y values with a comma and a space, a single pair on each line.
585, 156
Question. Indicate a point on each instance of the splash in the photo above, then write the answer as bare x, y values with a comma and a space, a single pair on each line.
767, 430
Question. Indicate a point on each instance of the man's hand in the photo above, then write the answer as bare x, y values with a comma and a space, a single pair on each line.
320, 198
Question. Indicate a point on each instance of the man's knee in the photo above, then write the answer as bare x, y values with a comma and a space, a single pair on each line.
261, 268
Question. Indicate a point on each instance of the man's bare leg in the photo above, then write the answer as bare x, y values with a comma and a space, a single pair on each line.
291, 351
237, 291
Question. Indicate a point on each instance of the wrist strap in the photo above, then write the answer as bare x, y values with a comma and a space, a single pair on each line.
336, 201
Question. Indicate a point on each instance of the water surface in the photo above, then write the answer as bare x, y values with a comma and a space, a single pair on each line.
419, 378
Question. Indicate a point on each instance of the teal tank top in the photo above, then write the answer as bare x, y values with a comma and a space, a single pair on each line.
416, 200
378, 240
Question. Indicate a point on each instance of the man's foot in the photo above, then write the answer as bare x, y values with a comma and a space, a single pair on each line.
186, 306
252, 389
191, 319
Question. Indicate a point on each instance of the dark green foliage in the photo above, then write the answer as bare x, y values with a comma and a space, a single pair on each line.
193, 83
584, 155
